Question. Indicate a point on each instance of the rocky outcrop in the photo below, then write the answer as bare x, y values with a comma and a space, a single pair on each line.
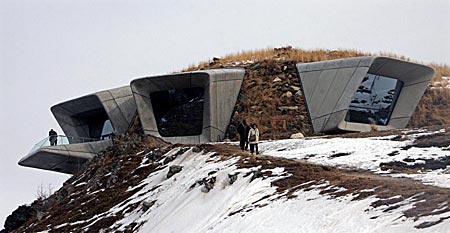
18, 217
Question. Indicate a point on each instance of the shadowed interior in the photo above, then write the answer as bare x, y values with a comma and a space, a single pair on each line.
179, 112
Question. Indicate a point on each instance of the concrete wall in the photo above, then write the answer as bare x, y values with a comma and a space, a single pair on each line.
64, 158
221, 86
330, 85
117, 103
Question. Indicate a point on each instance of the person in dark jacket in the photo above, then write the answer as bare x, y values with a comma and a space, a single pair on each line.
242, 130
53, 137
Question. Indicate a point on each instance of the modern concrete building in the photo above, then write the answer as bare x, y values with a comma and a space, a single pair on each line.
191, 107
355, 94
358, 94
87, 121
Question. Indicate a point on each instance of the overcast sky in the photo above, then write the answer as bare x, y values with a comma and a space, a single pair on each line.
52, 51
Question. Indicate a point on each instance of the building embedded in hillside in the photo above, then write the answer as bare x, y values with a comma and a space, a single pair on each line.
355, 94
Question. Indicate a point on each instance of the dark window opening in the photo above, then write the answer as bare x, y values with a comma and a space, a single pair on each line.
179, 112
374, 100
99, 125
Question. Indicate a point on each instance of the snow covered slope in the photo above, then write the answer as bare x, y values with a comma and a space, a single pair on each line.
311, 185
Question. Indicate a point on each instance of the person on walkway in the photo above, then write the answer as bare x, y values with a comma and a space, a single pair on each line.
247, 130
53, 137
243, 132
253, 138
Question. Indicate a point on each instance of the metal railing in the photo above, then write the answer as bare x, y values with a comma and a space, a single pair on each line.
61, 140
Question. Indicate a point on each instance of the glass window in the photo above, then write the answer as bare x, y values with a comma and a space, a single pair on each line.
374, 100
107, 129
178, 112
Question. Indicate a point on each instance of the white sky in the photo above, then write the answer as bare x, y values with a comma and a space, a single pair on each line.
52, 51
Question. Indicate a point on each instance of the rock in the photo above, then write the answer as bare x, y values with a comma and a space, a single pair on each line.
154, 154
170, 158
147, 205
196, 149
288, 94
208, 184
295, 88
256, 174
174, 169
252, 85
18, 217
277, 79
288, 108
232, 177
299, 93
297, 136
256, 66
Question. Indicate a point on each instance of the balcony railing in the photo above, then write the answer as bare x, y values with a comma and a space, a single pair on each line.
61, 140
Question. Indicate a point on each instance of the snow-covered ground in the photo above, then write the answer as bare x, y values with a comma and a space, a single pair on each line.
363, 153
183, 202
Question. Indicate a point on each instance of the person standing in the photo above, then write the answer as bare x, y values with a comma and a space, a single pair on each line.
253, 138
53, 137
242, 130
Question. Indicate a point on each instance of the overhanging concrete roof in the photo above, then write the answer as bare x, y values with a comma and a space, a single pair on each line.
117, 103
221, 86
330, 85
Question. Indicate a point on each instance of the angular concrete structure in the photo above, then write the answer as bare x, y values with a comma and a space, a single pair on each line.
86, 116
358, 94
214, 91
66, 158
88, 120
355, 94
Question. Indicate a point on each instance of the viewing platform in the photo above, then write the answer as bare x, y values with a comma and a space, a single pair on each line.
67, 156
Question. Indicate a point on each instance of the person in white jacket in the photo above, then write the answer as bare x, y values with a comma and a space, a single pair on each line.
253, 138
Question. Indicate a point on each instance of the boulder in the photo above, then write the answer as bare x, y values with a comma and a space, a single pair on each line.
297, 136
174, 169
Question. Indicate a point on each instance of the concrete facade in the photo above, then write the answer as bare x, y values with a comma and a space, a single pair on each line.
77, 117
84, 117
221, 87
330, 85
328, 88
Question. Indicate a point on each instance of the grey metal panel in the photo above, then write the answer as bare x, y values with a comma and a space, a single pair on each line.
408, 99
309, 81
350, 89
323, 85
335, 91
221, 90
399, 123
333, 121
319, 123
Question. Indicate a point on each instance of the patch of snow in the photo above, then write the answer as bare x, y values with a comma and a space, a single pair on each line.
363, 153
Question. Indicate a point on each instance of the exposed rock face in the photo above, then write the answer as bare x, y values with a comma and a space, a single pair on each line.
18, 217
271, 97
